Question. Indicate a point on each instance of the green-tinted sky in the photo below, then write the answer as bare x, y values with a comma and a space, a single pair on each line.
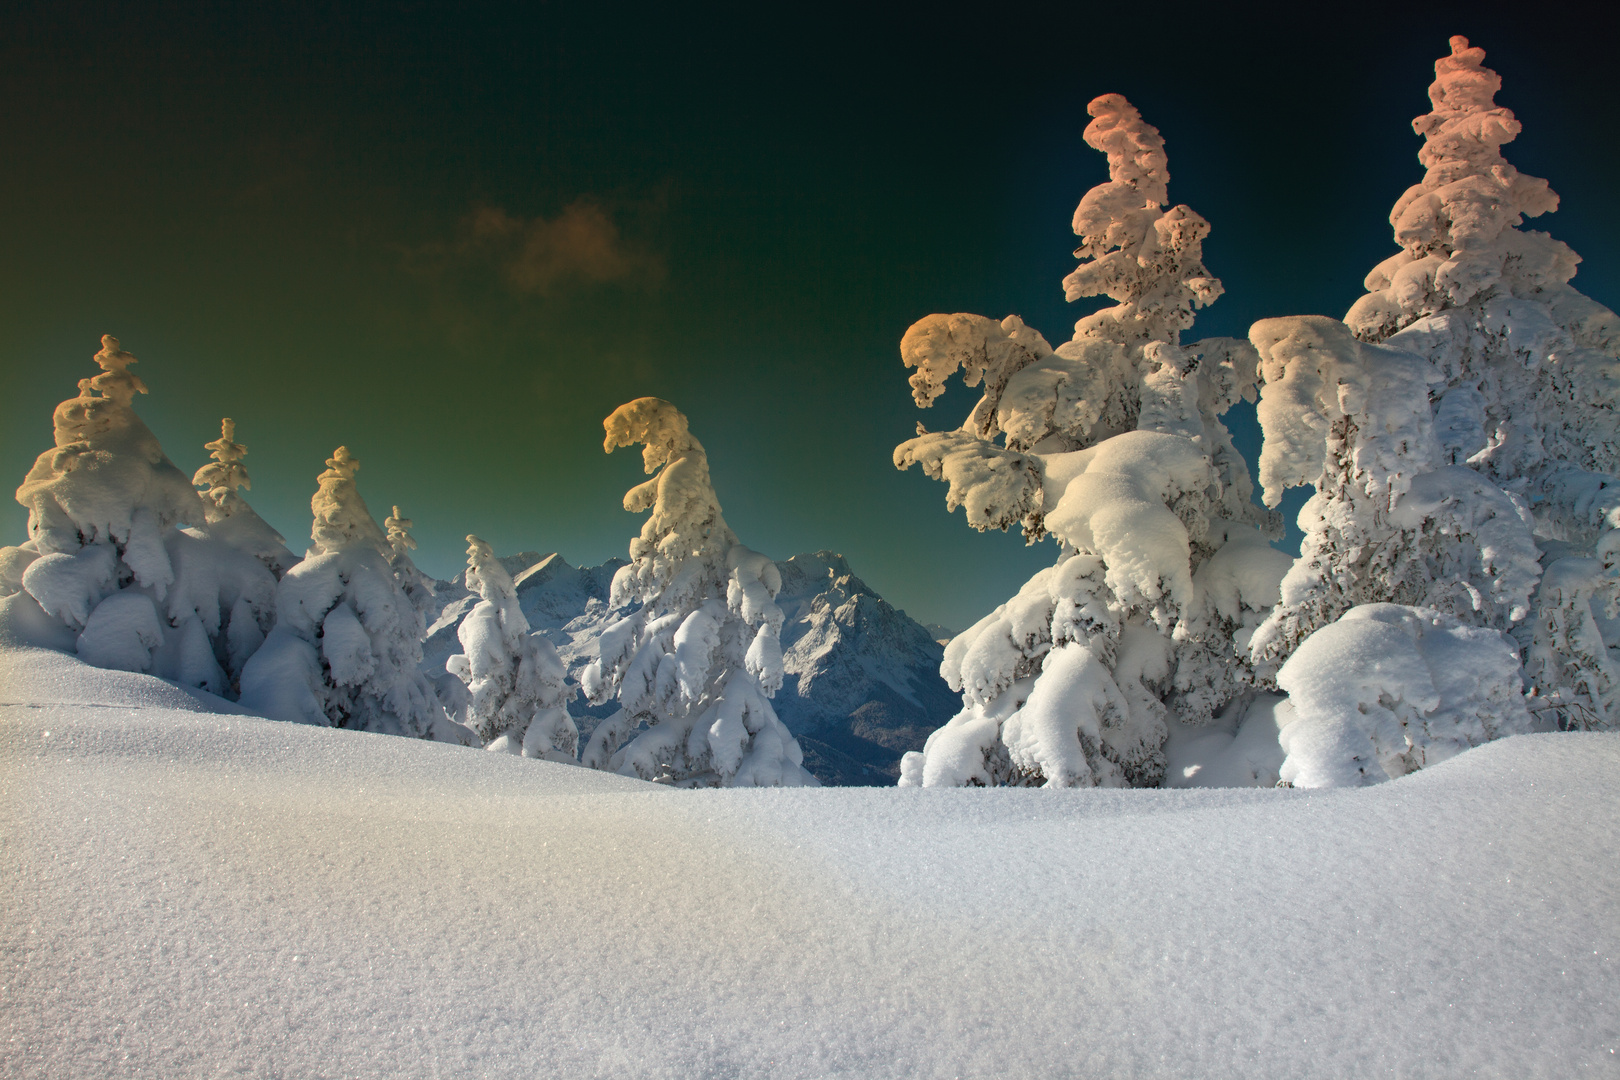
455, 237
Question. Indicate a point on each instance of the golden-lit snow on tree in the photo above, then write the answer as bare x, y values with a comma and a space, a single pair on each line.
1111, 443
696, 656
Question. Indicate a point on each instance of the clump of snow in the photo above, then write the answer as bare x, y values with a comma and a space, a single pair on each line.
122, 632
696, 655
1238, 748
1111, 443
1388, 689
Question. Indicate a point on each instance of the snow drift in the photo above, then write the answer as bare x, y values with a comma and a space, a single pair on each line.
194, 893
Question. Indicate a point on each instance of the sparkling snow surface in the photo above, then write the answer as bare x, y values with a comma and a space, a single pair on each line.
191, 893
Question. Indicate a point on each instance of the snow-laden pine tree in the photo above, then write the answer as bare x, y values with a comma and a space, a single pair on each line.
695, 659
1113, 444
418, 586
106, 554
347, 643
1467, 404
517, 686
230, 518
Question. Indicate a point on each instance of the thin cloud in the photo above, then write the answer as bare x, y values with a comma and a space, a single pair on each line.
581, 246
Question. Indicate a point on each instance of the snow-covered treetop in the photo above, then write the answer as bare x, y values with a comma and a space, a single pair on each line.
1459, 228
1124, 370
230, 518
107, 469
685, 524
342, 520
115, 380
1135, 252
226, 473
486, 575
400, 539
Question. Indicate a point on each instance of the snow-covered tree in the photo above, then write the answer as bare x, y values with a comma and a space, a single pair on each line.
106, 553
517, 684
229, 517
347, 644
1112, 443
417, 585
696, 657
1470, 429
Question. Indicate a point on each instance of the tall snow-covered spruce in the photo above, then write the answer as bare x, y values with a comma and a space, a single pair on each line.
347, 644
1112, 443
1459, 427
517, 685
107, 558
696, 656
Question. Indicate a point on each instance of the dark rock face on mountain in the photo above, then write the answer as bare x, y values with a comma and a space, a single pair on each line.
862, 682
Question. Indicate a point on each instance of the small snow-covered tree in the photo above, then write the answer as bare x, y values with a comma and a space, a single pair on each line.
517, 684
106, 553
1112, 443
418, 587
229, 517
696, 656
347, 644
1491, 494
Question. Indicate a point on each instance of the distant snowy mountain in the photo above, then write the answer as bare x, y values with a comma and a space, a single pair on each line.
862, 682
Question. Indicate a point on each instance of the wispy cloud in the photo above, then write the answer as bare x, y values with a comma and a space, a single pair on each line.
582, 246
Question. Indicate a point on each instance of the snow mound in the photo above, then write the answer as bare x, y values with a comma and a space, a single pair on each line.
195, 894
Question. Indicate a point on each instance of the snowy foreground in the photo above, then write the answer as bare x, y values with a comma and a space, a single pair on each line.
194, 893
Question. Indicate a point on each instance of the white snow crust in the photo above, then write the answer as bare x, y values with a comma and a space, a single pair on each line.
194, 893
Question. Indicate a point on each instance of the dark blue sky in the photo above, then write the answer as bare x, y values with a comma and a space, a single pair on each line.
455, 237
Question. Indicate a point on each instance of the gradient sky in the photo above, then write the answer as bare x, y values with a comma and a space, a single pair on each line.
455, 237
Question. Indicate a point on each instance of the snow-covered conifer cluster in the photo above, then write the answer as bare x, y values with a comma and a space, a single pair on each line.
1112, 443
347, 645
1459, 578
108, 558
696, 657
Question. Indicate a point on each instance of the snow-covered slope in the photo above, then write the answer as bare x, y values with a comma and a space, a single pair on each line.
190, 893
862, 684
